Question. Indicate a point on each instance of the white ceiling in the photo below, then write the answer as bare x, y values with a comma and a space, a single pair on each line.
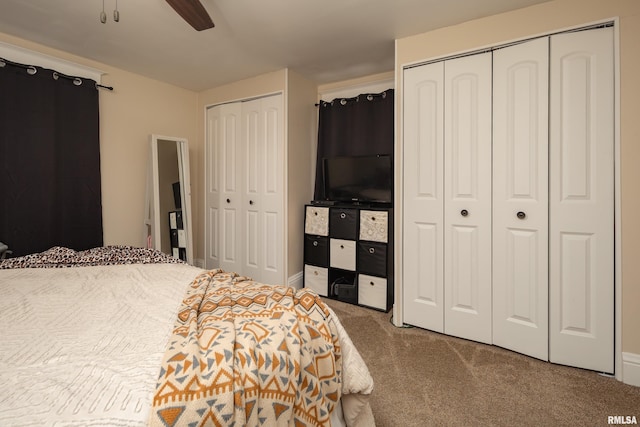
324, 40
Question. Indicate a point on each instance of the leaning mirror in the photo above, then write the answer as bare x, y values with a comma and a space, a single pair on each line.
168, 204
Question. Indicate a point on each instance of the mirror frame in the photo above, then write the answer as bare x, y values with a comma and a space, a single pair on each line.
155, 220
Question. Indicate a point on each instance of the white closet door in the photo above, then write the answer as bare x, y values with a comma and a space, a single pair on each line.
467, 192
263, 183
212, 189
581, 246
223, 238
423, 210
520, 197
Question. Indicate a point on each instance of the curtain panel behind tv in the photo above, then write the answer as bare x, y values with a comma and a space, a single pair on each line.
50, 189
358, 126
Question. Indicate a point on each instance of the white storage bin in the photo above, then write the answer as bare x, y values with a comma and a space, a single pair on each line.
342, 254
372, 291
316, 279
316, 221
374, 226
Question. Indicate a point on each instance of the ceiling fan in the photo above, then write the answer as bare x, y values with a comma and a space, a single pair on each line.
193, 12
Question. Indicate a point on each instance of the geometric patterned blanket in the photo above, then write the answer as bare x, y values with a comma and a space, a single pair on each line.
245, 353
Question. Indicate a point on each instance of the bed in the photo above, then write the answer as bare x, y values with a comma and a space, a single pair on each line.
122, 336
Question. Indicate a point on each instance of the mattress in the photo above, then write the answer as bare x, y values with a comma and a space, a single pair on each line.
83, 346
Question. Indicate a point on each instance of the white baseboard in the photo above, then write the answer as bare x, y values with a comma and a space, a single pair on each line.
296, 280
198, 262
631, 369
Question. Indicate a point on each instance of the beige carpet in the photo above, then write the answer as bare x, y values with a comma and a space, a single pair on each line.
424, 378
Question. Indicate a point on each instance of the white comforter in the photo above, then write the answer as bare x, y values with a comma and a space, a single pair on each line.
77, 350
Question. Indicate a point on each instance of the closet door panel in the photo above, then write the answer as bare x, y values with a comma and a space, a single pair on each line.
230, 227
272, 245
520, 198
212, 196
251, 131
423, 222
467, 194
582, 200
263, 189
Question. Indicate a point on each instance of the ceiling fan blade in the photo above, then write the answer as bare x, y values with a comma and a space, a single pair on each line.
193, 12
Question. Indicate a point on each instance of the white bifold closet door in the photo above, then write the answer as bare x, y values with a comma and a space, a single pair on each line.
508, 198
447, 202
223, 194
581, 203
244, 189
467, 197
263, 189
423, 200
520, 197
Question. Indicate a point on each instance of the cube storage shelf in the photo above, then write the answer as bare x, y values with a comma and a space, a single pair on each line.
348, 253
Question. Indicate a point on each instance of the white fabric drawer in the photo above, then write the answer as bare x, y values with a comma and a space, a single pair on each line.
374, 226
372, 291
342, 254
316, 221
316, 279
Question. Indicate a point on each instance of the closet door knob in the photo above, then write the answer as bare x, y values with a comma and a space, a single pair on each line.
343, 215
464, 212
371, 250
250, 202
228, 200
521, 215
315, 243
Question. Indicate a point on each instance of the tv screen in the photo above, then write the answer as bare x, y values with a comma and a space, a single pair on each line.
358, 179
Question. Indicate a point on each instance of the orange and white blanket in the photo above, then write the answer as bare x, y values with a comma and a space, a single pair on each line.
245, 353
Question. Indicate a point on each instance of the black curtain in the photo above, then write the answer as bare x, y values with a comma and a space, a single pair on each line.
50, 191
358, 126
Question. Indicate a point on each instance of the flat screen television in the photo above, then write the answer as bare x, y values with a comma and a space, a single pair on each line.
359, 179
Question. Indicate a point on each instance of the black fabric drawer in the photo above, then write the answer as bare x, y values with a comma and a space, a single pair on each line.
316, 250
343, 223
372, 258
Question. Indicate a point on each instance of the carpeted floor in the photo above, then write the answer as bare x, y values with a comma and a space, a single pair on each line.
423, 378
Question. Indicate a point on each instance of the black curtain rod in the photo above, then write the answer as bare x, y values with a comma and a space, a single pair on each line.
31, 69
368, 96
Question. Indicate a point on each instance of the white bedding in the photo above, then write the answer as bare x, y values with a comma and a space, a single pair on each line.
71, 364
59, 329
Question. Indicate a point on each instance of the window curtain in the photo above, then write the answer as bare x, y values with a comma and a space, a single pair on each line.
50, 190
358, 126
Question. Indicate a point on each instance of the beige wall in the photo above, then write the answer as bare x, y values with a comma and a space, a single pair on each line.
545, 18
301, 142
137, 107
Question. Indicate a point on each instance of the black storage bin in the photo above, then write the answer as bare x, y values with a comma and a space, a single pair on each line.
316, 250
343, 223
174, 238
371, 258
